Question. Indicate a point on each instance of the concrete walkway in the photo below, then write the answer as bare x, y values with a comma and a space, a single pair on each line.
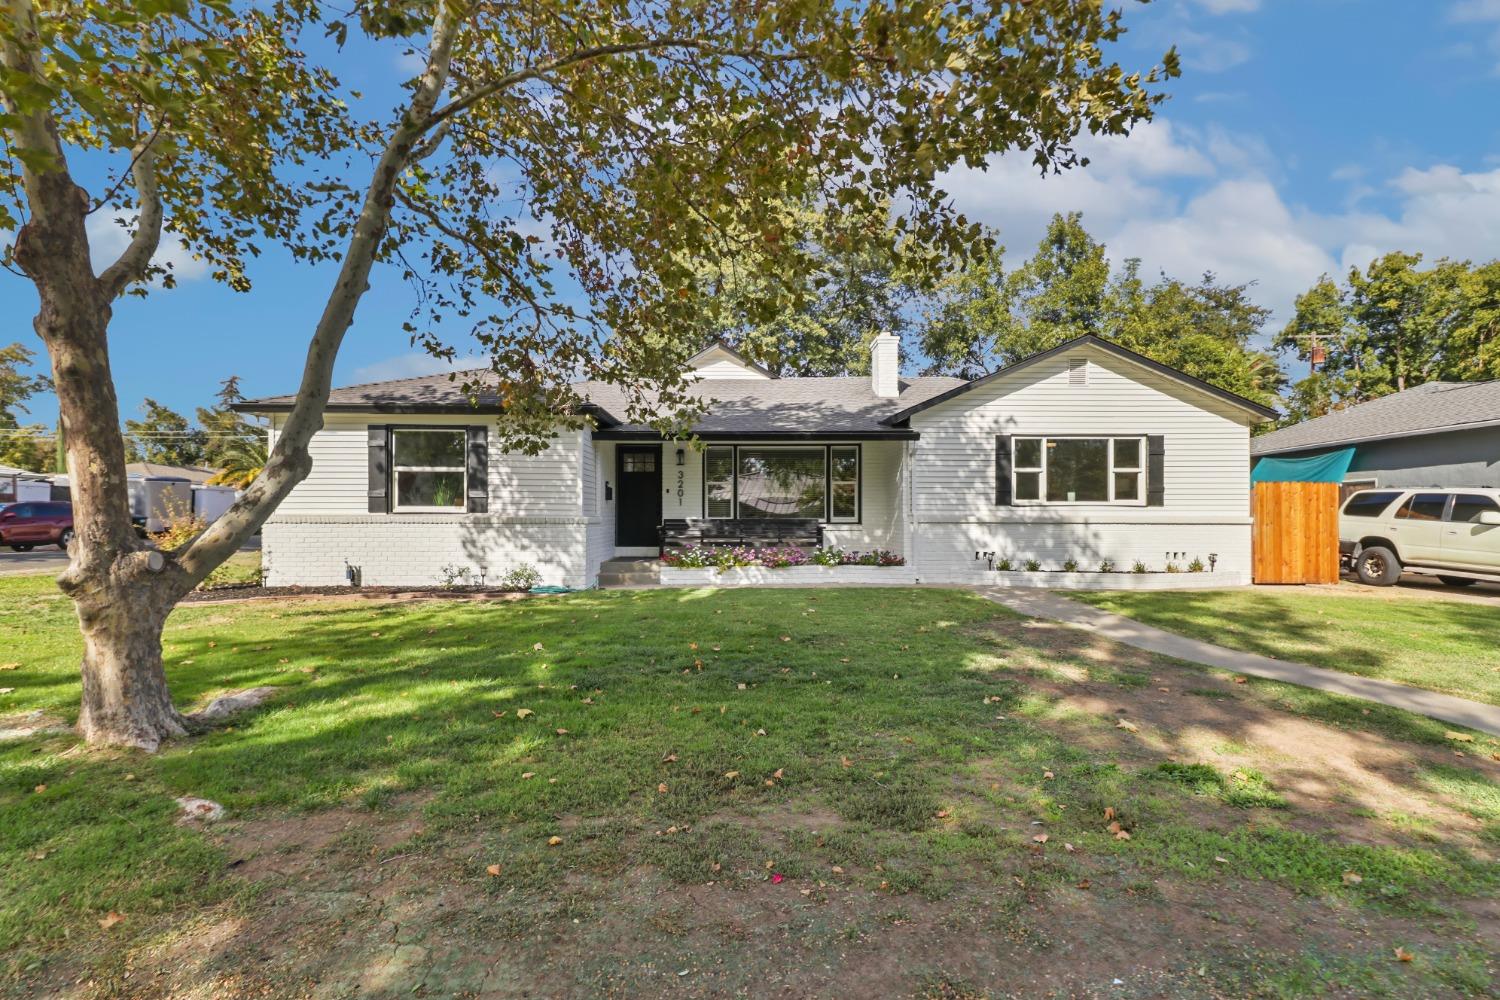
1445, 708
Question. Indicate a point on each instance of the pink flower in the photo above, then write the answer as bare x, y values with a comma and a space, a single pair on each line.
777, 878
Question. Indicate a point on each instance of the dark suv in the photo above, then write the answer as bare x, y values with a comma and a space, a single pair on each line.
29, 523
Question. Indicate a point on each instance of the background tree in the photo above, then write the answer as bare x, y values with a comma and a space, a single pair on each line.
233, 444
861, 279
641, 134
164, 436
1392, 326
984, 318
21, 446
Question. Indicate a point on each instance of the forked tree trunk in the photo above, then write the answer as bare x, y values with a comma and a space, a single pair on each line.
125, 697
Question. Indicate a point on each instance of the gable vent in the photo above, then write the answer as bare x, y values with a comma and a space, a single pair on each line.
1078, 371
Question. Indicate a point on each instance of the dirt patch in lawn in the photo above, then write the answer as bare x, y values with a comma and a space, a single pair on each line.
344, 920
1367, 786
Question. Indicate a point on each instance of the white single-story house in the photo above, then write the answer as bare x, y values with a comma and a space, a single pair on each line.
1087, 452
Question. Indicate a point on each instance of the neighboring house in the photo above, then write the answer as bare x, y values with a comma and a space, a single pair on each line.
20, 484
194, 474
1435, 434
1087, 451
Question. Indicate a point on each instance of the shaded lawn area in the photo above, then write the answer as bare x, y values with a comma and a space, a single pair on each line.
697, 792
1447, 646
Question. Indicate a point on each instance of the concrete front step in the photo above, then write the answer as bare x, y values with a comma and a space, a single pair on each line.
628, 579
629, 573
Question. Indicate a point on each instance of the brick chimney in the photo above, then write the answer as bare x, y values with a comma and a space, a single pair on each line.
885, 365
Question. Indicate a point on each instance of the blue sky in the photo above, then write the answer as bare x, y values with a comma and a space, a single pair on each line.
1304, 136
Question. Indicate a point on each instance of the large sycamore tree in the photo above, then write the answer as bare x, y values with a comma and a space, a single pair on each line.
545, 178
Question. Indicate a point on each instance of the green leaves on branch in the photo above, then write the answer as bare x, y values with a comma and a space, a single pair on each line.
1392, 326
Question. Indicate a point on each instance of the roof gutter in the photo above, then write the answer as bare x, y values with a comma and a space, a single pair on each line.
601, 417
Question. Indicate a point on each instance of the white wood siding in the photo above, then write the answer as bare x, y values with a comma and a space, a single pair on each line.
1206, 474
549, 484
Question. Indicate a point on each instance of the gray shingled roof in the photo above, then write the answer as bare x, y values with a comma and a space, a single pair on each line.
827, 405
1430, 408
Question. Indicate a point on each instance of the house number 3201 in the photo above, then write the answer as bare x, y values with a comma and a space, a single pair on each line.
681, 486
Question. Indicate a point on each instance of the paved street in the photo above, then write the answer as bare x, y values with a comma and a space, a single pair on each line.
47, 558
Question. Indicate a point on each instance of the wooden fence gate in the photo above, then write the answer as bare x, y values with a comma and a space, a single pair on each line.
1296, 534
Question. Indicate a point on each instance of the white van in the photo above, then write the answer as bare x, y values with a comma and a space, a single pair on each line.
1452, 534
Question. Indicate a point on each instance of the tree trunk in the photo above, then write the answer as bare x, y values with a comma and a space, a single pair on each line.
125, 696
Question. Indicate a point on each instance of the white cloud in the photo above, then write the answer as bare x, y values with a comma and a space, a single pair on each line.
1229, 6
1188, 200
1474, 11
109, 235
411, 365
1211, 53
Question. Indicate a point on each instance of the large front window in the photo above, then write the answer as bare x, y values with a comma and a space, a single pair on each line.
429, 469
1078, 470
764, 481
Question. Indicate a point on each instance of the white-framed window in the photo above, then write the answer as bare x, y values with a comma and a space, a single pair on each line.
843, 483
428, 470
1073, 470
782, 481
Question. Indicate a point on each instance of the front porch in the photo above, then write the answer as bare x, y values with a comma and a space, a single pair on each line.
838, 493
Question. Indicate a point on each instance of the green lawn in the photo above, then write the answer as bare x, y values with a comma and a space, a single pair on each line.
1448, 646
761, 782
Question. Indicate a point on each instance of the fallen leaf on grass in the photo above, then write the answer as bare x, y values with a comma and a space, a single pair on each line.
1128, 726
1040, 838
1109, 812
554, 841
537, 647
670, 758
1069, 847
661, 789
527, 774
562, 732
1241, 680
1048, 775
1084, 883
522, 713
1402, 955
846, 761
110, 919
837, 869
493, 869
40, 789
1353, 878
7, 690
731, 774
1461, 737
942, 814
10, 666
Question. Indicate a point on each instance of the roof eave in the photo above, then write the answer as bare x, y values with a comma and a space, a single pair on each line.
600, 416
864, 435
1477, 425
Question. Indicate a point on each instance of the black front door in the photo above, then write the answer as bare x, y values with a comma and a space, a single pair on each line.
638, 495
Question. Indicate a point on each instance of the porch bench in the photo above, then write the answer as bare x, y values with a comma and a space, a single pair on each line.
802, 532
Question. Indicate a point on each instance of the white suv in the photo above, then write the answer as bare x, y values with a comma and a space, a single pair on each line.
1453, 534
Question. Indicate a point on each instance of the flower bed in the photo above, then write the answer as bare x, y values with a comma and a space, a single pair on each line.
774, 557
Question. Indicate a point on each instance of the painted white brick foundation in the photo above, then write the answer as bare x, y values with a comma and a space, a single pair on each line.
411, 550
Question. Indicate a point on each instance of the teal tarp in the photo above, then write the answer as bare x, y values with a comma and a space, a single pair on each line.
1326, 468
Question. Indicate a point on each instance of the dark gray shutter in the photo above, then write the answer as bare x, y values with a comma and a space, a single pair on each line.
1002, 470
380, 469
479, 470
1156, 461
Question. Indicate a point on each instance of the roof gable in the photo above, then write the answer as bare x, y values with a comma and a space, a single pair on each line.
1255, 411
719, 360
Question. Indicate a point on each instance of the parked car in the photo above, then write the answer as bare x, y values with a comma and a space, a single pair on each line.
1453, 534
29, 523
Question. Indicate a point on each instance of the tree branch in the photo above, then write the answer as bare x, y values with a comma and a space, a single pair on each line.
465, 101
289, 462
135, 260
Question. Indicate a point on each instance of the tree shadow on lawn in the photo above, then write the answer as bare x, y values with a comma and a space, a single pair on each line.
1286, 626
677, 739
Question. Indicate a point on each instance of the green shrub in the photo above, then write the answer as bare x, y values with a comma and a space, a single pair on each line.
1033, 566
1107, 566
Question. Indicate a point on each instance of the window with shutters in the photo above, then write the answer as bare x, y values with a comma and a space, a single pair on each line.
1075, 470
428, 469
